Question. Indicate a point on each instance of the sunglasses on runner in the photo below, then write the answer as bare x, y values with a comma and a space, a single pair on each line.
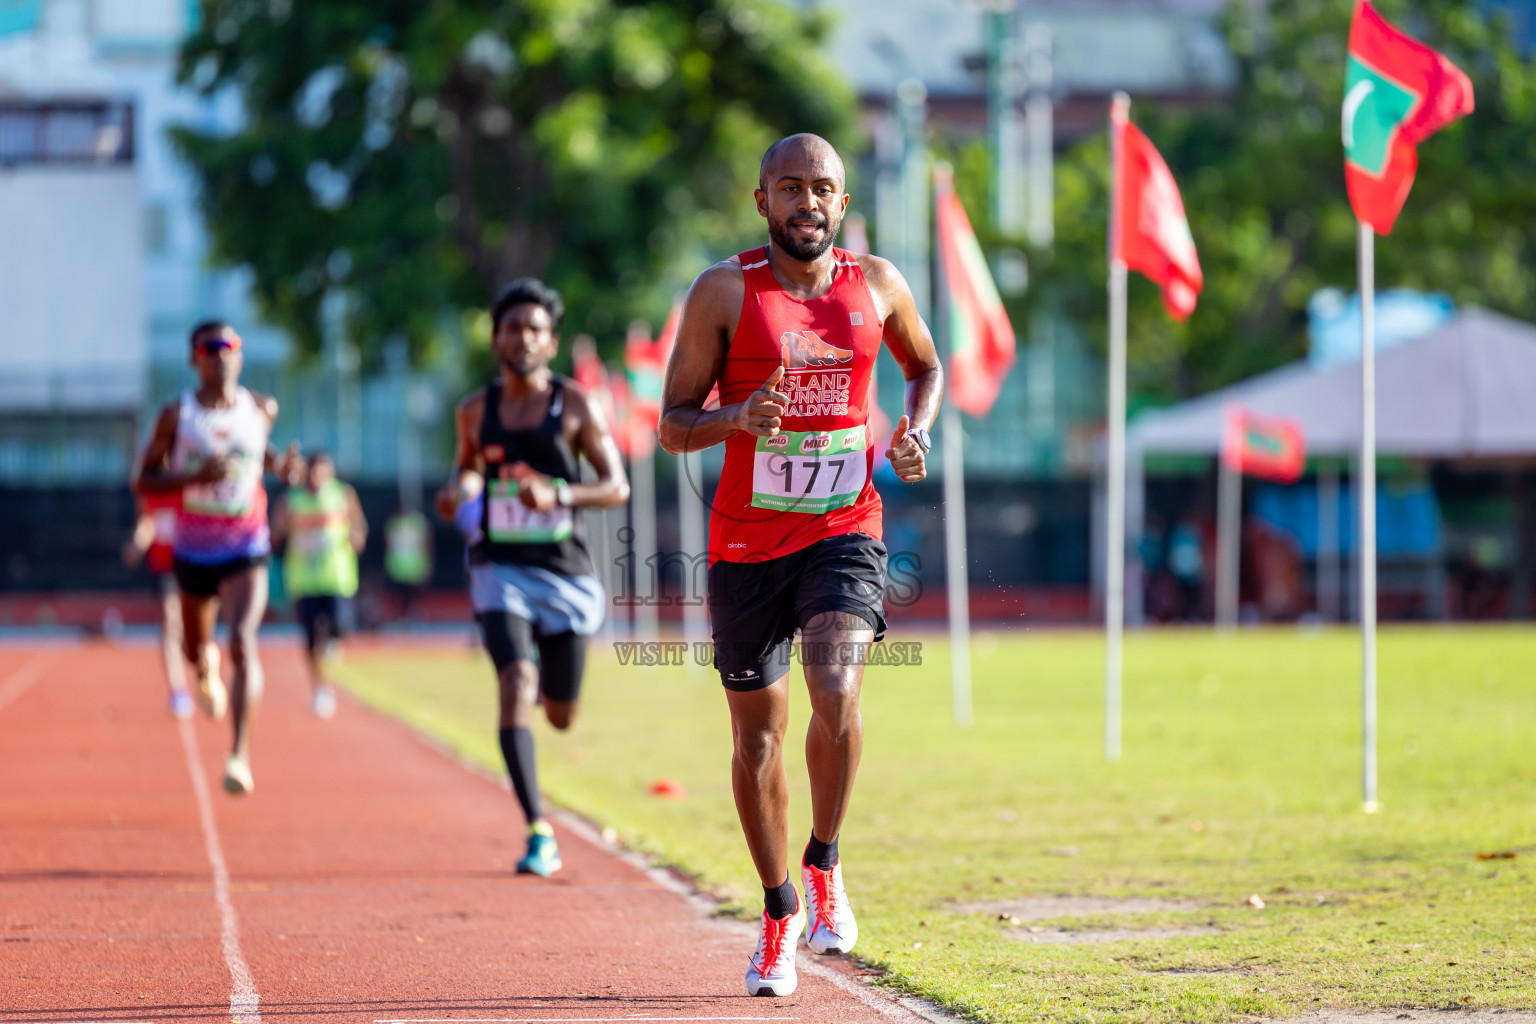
212, 346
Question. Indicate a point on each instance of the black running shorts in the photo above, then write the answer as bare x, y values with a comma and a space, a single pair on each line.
197, 580
324, 617
562, 657
756, 607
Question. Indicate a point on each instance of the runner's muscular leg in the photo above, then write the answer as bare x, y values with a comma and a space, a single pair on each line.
758, 720
172, 640
834, 741
518, 685
245, 596
198, 617
562, 662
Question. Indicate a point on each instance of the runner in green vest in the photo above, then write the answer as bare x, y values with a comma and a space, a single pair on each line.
323, 525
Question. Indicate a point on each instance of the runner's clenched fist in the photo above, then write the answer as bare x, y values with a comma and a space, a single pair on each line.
763, 411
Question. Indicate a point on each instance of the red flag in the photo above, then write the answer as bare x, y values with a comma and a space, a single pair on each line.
1269, 447
1150, 231
623, 435
981, 342
641, 360
588, 370
1397, 93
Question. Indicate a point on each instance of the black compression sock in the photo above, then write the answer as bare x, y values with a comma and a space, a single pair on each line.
517, 751
781, 900
819, 854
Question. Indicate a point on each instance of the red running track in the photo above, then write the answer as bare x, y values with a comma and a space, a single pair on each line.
368, 877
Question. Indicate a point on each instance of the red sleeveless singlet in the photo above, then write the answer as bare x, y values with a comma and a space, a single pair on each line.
780, 494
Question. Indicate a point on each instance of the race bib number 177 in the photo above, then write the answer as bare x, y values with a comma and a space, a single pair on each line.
512, 522
813, 471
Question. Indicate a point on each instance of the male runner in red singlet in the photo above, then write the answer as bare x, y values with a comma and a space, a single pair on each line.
153, 534
790, 332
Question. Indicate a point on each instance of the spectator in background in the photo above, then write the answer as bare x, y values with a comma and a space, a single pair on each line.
1186, 561
407, 556
322, 523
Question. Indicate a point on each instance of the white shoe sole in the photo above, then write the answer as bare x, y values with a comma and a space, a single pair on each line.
839, 944
782, 986
779, 987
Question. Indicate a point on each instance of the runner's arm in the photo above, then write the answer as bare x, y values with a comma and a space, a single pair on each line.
710, 315
612, 485
286, 465
912, 346
356, 520
142, 537
909, 341
467, 477
279, 521
153, 474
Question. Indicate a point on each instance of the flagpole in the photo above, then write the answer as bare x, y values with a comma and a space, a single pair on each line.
957, 583
1229, 518
1114, 586
690, 522
643, 502
1368, 514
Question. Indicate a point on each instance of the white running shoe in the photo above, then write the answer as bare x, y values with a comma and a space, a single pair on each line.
212, 697
833, 929
237, 776
323, 703
771, 971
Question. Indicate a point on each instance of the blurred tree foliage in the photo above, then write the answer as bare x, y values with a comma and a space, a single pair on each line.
412, 156
1263, 180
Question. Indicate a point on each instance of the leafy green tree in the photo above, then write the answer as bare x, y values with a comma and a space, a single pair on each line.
411, 156
1262, 174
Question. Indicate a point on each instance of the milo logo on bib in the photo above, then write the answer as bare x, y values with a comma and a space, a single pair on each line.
811, 471
509, 521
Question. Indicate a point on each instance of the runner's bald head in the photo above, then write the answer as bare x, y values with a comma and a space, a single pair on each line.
806, 156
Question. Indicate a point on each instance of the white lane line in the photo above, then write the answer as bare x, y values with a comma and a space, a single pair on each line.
30, 672
243, 1002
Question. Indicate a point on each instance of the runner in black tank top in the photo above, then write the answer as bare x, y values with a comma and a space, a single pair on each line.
517, 492
543, 449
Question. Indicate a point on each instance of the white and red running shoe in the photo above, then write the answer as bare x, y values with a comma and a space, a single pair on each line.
833, 929
771, 971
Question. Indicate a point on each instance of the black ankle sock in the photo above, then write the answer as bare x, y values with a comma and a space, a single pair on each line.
780, 901
517, 751
819, 854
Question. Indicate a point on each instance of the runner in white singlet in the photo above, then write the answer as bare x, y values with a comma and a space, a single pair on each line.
212, 447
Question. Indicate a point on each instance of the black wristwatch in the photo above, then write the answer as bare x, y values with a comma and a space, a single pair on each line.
923, 440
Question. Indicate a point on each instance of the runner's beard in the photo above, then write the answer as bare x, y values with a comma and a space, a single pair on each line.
801, 249
523, 369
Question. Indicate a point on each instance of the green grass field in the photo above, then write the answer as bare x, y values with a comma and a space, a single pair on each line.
1240, 777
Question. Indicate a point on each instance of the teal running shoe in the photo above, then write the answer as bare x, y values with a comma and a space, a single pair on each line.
543, 856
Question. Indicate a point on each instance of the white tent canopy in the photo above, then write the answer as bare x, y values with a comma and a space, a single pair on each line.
1467, 389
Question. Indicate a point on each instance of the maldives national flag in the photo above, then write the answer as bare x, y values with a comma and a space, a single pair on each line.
981, 342
1270, 447
1149, 229
646, 361
1397, 93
